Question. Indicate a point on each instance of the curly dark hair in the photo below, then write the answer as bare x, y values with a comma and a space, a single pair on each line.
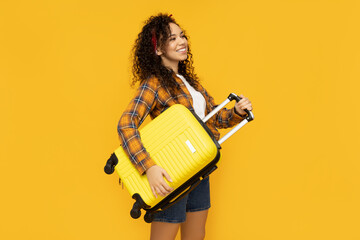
146, 63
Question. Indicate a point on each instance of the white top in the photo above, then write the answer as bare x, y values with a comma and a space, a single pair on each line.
199, 103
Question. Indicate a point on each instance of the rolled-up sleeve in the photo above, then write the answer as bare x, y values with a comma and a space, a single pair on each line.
133, 116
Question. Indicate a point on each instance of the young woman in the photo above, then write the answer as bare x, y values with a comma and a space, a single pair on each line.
162, 65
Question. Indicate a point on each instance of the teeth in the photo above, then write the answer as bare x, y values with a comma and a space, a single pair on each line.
181, 50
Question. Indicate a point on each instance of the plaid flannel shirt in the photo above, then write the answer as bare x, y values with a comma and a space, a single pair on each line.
151, 98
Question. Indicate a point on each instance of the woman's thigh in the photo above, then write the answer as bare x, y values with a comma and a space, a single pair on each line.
164, 230
191, 212
194, 226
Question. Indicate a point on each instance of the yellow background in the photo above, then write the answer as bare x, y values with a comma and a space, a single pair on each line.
293, 173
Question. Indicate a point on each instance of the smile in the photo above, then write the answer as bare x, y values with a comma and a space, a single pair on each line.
182, 50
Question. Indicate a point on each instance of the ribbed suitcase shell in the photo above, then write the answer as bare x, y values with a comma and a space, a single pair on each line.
177, 142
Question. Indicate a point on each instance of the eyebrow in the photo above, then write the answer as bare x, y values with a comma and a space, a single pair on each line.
175, 34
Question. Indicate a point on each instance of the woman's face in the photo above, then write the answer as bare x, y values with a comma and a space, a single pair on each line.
175, 48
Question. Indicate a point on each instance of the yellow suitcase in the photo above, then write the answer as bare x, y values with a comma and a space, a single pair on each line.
179, 142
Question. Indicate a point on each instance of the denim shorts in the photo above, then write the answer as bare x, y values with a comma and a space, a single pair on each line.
197, 200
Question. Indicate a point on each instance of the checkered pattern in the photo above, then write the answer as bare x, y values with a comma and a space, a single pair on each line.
151, 98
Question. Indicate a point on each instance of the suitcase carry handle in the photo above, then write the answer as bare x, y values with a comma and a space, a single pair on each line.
149, 216
182, 195
249, 117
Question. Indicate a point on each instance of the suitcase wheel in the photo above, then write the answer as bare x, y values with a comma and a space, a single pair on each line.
149, 217
135, 211
110, 164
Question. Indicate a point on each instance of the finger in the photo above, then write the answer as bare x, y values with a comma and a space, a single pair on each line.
246, 100
158, 191
243, 104
248, 106
242, 100
238, 108
162, 190
167, 176
167, 187
153, 191
241, 107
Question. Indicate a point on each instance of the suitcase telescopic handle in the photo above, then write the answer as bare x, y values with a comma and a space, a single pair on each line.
249, 116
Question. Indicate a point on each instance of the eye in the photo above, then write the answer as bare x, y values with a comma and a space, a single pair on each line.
183, 36
172, 39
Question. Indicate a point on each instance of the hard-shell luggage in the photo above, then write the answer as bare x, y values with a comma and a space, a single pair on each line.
180, 142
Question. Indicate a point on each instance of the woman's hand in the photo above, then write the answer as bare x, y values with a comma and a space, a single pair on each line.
155, 176
243, 104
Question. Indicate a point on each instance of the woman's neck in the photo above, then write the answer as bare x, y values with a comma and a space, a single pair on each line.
173, 65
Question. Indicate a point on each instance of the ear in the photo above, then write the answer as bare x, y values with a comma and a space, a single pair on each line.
158, 52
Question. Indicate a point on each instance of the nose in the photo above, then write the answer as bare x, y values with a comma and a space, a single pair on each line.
182, 40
